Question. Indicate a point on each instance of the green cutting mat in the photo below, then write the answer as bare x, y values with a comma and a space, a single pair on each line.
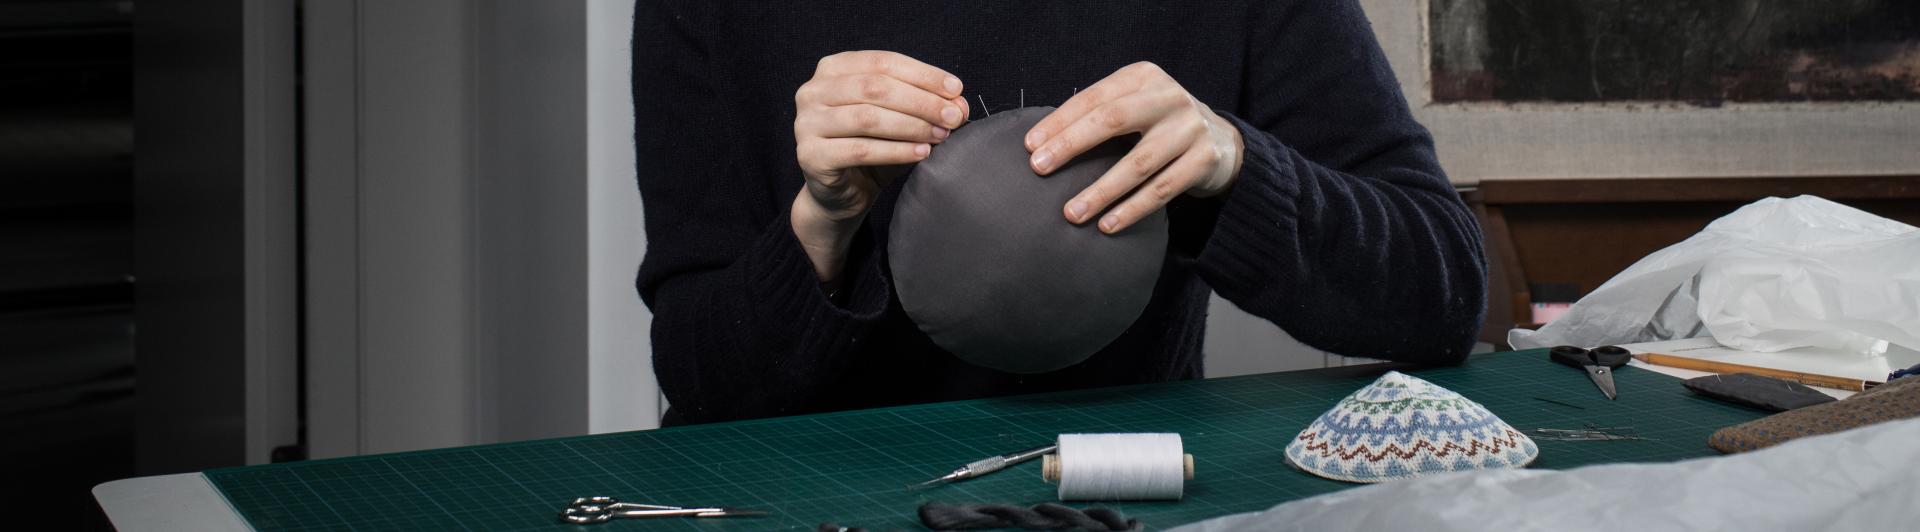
850, 468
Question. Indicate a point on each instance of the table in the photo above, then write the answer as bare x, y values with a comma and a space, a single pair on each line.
850, 468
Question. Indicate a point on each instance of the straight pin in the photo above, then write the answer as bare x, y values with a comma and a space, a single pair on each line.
1561, 403
983, 104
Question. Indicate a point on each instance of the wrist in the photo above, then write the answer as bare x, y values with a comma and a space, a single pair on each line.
825, 239
1232, 148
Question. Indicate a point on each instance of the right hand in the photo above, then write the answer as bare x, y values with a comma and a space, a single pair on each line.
860, 111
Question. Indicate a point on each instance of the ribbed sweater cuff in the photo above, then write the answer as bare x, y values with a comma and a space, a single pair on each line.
1251, 242
793, 305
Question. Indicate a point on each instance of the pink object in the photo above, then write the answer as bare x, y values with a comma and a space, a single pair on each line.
1547, 312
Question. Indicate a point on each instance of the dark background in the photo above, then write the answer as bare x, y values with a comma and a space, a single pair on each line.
66, 256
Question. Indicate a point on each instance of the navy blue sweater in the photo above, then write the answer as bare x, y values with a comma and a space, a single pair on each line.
1341, 229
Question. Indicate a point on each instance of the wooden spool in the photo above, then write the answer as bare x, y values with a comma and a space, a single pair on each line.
1050, 467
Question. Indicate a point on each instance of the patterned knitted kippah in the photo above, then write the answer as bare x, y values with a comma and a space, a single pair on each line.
1899, 399
1404, 427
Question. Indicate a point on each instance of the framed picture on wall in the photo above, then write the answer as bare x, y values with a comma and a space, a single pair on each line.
1545, 89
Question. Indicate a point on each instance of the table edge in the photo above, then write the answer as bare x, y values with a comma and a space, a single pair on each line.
183, 501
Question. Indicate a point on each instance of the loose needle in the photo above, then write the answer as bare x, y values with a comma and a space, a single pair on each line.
987, 465
1565, 404
1591, 433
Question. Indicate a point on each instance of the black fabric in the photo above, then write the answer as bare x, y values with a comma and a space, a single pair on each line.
984, 262
1766, 393
1043, 516
1341, 228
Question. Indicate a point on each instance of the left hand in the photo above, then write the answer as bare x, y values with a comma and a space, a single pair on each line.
1184, 147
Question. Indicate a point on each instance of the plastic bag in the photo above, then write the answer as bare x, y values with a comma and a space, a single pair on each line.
1774, 275
1861, 479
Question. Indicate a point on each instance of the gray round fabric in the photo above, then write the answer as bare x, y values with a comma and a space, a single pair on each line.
988, 267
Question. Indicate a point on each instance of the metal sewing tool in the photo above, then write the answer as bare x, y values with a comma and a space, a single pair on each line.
594, 510
1561, 403
1591, 433
988, 465
1598, 362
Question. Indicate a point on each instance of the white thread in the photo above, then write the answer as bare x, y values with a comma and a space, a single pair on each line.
1121, 467
983, 104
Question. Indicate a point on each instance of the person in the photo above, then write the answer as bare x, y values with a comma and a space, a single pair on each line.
1296, 182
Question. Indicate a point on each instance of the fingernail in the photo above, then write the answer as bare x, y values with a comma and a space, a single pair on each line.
1078, 209
1034, 137
950, 115
922, 150
1107, 224
953, 85
1041, 159
940, 132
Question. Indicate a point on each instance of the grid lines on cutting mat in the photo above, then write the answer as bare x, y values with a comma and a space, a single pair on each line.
851, 467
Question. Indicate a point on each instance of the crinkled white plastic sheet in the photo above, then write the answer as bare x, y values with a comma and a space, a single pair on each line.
1774, 275
1862, 479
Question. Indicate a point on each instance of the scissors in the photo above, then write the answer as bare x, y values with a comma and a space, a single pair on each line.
1598, 362
594, 510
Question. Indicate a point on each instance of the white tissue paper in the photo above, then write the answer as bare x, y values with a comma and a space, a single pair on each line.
1774, 275
1860, 479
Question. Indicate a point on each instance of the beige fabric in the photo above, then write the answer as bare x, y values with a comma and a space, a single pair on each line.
1899, 399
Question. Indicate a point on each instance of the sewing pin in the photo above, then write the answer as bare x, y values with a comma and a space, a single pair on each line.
1561, 403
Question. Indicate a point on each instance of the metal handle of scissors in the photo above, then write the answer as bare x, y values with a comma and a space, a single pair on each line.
595, 510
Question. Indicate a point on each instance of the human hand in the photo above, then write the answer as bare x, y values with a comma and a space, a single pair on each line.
862, 110
1184, 147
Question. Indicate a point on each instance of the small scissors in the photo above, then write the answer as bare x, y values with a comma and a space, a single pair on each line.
1598, 362
594, 510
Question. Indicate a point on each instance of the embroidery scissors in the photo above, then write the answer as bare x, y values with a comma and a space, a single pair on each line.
1598, 363
594, 510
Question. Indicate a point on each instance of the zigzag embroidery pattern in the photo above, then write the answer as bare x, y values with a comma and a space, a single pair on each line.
1361, 427
1402, 405
1324, 448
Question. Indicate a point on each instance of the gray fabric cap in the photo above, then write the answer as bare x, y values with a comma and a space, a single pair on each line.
988, 267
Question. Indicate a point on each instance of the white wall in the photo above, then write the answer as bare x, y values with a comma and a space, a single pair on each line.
623, 394
472, 224
1239, 343
390, 299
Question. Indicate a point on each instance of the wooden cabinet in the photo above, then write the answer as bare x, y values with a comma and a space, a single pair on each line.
1584, 231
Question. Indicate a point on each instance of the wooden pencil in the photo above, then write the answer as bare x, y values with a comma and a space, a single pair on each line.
1809, 379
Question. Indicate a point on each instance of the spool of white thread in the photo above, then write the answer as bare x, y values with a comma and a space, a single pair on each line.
1119, 467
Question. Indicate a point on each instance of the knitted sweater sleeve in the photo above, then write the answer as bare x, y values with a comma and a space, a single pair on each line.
1342, 229
741, 325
